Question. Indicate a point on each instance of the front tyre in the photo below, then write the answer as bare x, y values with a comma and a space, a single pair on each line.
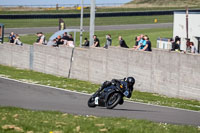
113, 100
91, 102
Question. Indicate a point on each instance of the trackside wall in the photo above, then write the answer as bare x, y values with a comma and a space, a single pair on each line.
169, 73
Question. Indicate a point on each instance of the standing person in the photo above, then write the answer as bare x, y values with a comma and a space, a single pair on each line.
108, 41
17, 40
137, 39
176, 46
141, 43
12, 37
96, 41
122, 42
148, 44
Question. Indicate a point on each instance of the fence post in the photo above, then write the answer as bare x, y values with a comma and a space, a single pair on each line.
92, 21
31, 57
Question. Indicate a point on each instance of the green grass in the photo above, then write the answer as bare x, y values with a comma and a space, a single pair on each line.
166, 3
128, 35
21, 23
22, 120
88, 87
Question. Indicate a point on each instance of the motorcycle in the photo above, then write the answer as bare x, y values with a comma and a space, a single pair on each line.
110, 96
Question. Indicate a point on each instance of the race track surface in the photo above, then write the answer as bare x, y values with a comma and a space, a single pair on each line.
37, 97
34, 30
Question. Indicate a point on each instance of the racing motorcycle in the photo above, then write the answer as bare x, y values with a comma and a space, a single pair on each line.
110, 96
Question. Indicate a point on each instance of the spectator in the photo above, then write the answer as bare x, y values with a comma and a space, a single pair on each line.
70, 41
108, 41
177, 38
188, 47
141, 43
59, 41
176, 46
193, 48
17, 40
122, 42
41, 38
65, 36
70, 38
148, 44
137, 39
96, 41
86, 43
12, 37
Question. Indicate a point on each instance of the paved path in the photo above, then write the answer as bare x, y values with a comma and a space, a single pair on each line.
38, 97
86, 28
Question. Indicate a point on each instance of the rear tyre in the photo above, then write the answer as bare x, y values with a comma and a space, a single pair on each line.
91, 102
113, 100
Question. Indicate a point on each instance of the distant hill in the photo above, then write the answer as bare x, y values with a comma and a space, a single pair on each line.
164, 3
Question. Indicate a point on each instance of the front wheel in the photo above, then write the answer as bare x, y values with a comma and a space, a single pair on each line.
113, 100
91, 102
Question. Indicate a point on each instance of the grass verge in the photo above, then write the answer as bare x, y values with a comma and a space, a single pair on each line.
165, 3
21, 120
88, 87
128, 35
21, 23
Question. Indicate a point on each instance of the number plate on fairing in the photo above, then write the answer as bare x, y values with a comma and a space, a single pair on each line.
96, 100
126, 93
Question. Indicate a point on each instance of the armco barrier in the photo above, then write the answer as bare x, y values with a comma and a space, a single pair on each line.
161, 71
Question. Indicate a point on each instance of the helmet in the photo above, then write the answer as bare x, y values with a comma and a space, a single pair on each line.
130, 81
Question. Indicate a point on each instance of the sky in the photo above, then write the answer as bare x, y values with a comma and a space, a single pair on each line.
54, 2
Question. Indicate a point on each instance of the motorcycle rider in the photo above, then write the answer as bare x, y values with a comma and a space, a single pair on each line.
126, 83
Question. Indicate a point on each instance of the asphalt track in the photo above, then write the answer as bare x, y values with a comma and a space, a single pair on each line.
37, 97
86, 28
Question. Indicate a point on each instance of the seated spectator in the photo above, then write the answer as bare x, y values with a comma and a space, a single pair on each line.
70, 44
86, 43
96, 41
65, 36
141, 43
41, 38
193, 48
108, 41
70, 38
137, 39
70, 41
12, 37
122, 42
148, 44
59, 41
17, 40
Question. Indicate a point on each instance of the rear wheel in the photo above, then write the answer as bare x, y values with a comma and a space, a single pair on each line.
113, 100
91, 102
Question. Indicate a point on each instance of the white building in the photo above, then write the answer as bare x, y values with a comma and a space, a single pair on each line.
179, 28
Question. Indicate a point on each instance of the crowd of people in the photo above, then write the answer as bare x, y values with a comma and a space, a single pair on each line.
65, 39
190, 48
142, 42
